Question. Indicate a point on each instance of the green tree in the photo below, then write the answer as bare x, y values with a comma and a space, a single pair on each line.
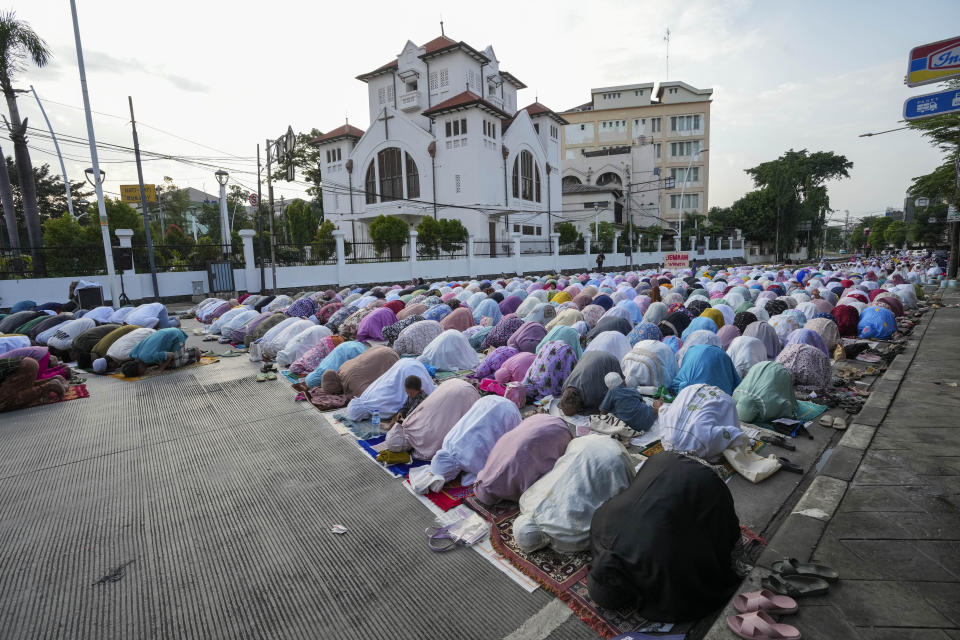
605, 235
19, 43
324, 246
568, 232
303, 221
795, 186
927, 233
51, 196
896, 233
389, 232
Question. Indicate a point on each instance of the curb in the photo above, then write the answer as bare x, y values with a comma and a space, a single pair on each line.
801, 531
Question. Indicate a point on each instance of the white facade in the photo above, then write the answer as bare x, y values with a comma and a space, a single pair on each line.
445, 140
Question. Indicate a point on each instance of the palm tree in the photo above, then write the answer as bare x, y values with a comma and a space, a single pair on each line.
19, 44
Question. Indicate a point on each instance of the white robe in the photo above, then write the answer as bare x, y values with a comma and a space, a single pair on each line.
557, 509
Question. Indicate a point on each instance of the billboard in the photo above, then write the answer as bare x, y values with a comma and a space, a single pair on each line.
131, 192
934, 62
674, 261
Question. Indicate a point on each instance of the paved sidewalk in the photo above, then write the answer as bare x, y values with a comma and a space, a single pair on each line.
885, 509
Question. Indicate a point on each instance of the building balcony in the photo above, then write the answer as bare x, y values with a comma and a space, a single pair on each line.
494, 100
410, 101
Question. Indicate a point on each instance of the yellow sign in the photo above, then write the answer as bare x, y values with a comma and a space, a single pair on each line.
131, 192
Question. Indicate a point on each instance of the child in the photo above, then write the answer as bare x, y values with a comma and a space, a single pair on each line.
415, 396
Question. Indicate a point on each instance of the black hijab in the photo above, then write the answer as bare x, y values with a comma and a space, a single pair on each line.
610, 323
664, 544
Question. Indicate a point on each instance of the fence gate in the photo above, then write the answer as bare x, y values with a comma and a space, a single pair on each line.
220, 275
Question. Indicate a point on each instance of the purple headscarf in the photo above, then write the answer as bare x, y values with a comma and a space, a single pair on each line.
371, 327
527, 337
520, 457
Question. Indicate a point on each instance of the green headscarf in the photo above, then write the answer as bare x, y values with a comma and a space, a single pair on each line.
766, 393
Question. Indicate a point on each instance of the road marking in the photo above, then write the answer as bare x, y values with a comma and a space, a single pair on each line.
543, 622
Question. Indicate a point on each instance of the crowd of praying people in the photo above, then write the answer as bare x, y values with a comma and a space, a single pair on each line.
485, 380
40, 342
531, 389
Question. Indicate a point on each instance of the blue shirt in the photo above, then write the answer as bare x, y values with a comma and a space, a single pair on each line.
154, 348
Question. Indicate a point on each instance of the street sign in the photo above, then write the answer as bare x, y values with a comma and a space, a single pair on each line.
674, 261
921, 202
953, 214
932, 104
254, 200
131, 192
934, 62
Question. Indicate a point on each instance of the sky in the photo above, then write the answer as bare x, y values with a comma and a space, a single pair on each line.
211, 80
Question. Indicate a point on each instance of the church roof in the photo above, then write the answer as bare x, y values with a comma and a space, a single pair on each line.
346, 131
465, 100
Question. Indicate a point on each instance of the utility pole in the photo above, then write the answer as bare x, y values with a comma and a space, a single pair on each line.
954, 228
263, 281
143, 201
630, 213
97, 185
56, 146
273, 243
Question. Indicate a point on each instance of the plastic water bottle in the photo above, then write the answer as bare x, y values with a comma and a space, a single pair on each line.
376, 418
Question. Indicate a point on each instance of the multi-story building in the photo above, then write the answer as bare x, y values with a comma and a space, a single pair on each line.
445, 140
673, 120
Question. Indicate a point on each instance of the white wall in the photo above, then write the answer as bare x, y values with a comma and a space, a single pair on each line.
181, 284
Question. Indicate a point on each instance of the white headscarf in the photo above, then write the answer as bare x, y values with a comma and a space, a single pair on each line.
610, 341
649, 363
450, 351
386, 393
746, 352
557, 509
701, 420
468, 444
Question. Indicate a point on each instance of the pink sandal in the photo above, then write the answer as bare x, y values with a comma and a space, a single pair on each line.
766, 601
760, 626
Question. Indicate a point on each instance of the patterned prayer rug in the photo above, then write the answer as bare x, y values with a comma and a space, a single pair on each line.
565, 575
74, 392
204, 360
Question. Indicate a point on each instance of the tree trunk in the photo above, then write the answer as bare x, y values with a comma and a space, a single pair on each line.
28, 187
9, 212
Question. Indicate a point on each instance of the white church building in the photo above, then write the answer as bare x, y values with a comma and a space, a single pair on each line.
446, 140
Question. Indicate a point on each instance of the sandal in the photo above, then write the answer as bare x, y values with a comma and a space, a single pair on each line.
795, 586
790, 567
790, 466
261, 377
765, 601
760, 626
271, 375
839, 423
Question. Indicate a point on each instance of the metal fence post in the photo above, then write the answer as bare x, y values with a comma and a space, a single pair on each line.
555, 250
470, 269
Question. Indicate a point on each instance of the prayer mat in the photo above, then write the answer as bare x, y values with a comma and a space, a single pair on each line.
446, 375
724, 468
450, 495
807, 411
289, 376
204, 360
362, 430
373, 446
74, 392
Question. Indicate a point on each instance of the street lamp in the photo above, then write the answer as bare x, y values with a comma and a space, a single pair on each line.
89, 173
683, 186
222, 177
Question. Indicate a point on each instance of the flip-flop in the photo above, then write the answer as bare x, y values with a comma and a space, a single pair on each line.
790, 567
760, 626
261, 377
271, 375
766, 601
790, 466
795, 586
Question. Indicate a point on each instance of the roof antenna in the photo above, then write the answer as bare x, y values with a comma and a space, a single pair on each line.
441, 25
666, 39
